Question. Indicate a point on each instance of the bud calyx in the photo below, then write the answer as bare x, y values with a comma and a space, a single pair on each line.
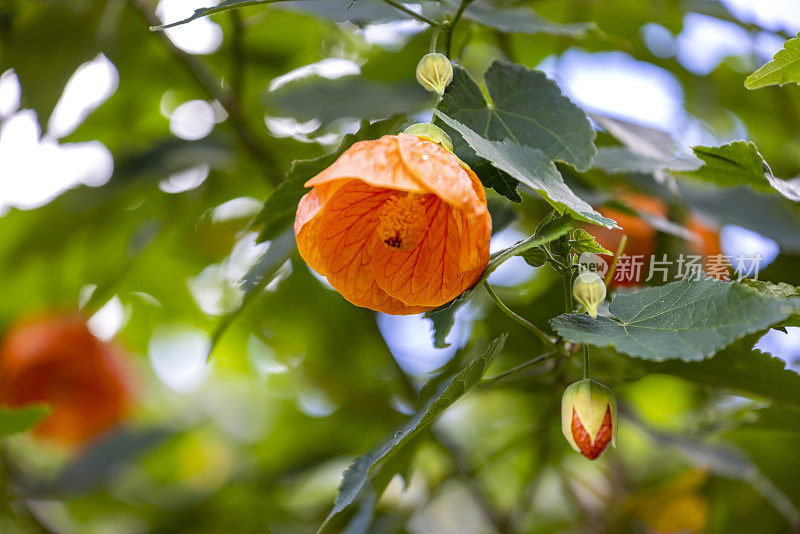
589, 417
430, 132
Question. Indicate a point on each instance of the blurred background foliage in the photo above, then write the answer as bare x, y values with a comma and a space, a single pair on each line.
133, 162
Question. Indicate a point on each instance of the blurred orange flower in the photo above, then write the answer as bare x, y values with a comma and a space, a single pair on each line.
397, 225
57, 361
642, 236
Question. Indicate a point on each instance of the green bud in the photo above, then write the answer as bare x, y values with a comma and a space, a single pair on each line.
589, 417
434, 72
590, 290
430, 132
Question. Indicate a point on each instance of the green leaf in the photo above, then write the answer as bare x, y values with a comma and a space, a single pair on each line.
104, 457
522, 20
41, 44
623, 160
357, 483
533, 168
768, 214
686, 320
225, 5
443, 317
741, 369
583, 241
723, 459
740, 163
14, 421
361, 12
256, 279
279, 209
641, 140
784, 67
527, 108
355, 97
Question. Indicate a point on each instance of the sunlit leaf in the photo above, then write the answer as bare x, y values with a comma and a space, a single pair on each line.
740, 163
784, 67
684, 320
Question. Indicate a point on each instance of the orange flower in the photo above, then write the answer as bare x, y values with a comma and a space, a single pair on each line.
57, 361
397, 225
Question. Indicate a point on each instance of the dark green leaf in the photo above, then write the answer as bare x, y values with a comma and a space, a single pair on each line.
522, 20
14, 421
784, 67
686, 320
531, 167
358, 479
355, 97
527, 108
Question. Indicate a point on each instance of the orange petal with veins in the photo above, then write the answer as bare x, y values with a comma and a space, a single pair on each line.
346, 240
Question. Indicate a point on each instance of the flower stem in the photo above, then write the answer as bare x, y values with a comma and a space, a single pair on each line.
452, 27
585, 360
546, 339
567, 287
514, 370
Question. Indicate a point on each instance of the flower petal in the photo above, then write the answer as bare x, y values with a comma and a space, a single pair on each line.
377, 162
440, 172
346, 238
449, 258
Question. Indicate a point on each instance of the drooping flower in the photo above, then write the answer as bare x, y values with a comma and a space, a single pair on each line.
434, 72
56, 360
397, 225
589, 417
590, 290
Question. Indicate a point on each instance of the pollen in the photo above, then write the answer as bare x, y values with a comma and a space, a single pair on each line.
402, 221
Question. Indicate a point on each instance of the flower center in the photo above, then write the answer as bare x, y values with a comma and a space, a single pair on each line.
402, 221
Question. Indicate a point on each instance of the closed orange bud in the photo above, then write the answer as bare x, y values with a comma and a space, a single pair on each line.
397, 225
589, 417
57, 361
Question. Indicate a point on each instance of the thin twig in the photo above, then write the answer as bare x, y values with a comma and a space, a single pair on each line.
514, 370
414, 14
205, 78
452, 27
546, 339
237, 55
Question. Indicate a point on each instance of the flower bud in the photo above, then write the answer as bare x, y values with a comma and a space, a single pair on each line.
589, 417
434, 72
430, 132
590, 290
